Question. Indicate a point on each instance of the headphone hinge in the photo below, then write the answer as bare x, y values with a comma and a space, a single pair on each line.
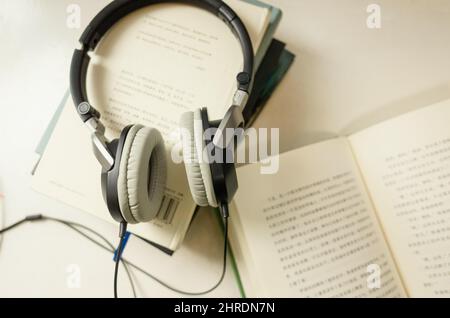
229, 126
100, 143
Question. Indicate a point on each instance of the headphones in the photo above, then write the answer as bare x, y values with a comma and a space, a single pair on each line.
134, 166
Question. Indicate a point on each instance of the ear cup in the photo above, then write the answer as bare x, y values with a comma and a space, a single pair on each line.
197, 166
142, 175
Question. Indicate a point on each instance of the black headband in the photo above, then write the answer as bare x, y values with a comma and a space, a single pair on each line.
115, 11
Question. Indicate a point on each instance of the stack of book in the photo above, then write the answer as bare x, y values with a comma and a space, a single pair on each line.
153, 65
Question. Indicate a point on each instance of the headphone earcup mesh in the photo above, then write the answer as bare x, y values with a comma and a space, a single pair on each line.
142, 174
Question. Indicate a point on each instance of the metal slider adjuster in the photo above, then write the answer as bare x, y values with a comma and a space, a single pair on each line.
240, 98
99, 141
232, 120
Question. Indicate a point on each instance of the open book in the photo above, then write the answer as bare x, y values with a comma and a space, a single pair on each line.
152, 66
341, 213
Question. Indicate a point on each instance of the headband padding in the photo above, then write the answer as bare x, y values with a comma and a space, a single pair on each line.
142, 176
197, 168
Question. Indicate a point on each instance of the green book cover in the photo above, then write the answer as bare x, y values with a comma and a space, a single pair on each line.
275, 17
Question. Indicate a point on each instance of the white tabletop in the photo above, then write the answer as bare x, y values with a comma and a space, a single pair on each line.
346, 77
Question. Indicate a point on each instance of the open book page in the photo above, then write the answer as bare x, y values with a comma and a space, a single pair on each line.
310, 229
406, 166
152, 66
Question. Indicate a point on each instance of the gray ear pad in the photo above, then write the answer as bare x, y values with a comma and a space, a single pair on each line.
197, 167
142, 174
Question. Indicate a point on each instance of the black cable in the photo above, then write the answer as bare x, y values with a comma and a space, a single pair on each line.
147, 273
188, 293
2, 219
73, 226
122, 232
8, 228
166, 285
